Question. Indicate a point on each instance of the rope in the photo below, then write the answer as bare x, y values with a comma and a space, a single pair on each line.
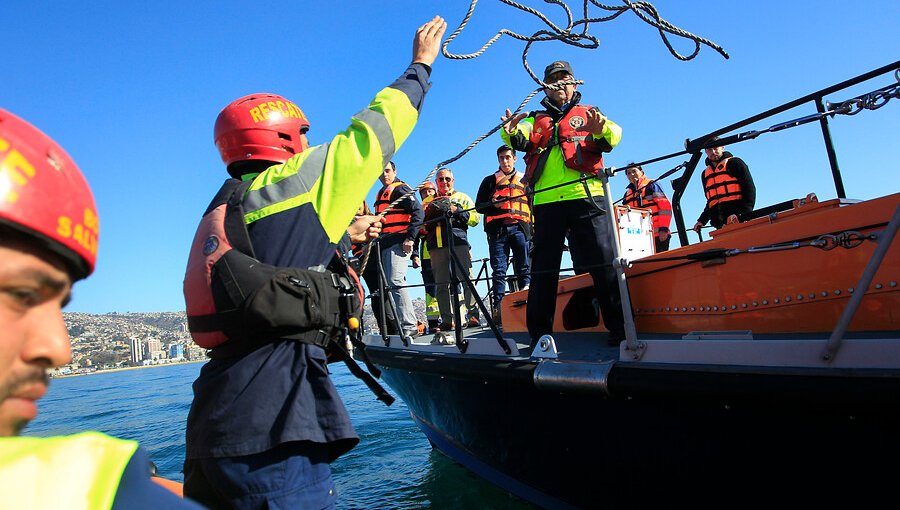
568, 35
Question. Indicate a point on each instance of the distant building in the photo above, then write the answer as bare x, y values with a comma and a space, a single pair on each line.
137, 352
152, 348
195, 352
176, 351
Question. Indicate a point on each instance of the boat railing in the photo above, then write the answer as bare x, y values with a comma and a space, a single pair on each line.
720, 137
694, 147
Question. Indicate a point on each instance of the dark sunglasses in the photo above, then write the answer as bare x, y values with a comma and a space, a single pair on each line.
445, 179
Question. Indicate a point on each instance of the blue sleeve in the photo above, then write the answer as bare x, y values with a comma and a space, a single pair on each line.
414, 83
138, 492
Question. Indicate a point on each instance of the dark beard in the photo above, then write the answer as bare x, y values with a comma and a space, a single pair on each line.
11, 386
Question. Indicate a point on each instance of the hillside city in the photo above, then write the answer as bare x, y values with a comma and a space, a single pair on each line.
121, 340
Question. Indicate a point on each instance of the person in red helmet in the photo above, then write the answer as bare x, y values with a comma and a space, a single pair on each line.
49, 230
266, 293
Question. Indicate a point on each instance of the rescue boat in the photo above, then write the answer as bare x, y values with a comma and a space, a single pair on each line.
747, 370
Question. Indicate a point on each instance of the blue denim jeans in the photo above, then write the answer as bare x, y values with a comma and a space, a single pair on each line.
396, 263
502, 241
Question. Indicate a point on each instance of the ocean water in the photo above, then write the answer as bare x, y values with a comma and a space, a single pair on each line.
393, 467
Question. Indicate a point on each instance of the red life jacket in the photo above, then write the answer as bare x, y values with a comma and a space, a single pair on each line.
396, 220
232, 298
719, 185
579, 149
660, 207
516, 207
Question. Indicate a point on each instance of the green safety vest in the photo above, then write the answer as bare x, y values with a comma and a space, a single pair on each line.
82, 471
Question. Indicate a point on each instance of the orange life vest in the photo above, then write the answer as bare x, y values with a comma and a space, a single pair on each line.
660, 207
396, 220
719, 185
509, 195
579, 149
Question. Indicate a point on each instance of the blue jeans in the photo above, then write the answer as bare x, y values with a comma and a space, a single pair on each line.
396, 263
501, 241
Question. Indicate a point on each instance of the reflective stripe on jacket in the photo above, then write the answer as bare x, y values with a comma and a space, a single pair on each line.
719, 185
579, 150
436, 232
551, 169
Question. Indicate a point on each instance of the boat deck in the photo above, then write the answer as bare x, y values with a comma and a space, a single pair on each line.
569, 346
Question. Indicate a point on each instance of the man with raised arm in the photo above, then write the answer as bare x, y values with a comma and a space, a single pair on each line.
562, 143
266, 420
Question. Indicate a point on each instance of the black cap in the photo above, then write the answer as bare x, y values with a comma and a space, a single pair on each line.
555, 67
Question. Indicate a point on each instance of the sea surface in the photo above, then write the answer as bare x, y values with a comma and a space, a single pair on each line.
393, 467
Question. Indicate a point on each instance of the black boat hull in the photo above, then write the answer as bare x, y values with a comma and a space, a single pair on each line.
562, 449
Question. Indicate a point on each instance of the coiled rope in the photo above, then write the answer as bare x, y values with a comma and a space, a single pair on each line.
575, 33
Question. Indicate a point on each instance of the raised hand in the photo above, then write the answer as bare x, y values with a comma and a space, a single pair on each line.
427, 41
513, 125
595, 122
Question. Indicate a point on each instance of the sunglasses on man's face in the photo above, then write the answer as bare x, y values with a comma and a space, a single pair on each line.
444, 179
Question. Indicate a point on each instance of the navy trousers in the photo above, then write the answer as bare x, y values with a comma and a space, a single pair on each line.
591, 250
292, 475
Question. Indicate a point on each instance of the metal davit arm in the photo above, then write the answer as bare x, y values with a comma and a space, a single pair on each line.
632, 343
679, 185
885, 239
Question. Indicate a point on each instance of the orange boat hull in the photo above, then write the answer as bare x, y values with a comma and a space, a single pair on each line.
792, 291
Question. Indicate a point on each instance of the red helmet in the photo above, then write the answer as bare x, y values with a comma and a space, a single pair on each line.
260, 126
44, 195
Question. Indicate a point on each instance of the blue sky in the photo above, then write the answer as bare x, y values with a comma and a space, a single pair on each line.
131, 90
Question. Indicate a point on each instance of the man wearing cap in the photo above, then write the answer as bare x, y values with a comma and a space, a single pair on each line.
563, 143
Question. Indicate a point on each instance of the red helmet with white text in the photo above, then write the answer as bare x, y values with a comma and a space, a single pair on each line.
44, 195
260, 127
